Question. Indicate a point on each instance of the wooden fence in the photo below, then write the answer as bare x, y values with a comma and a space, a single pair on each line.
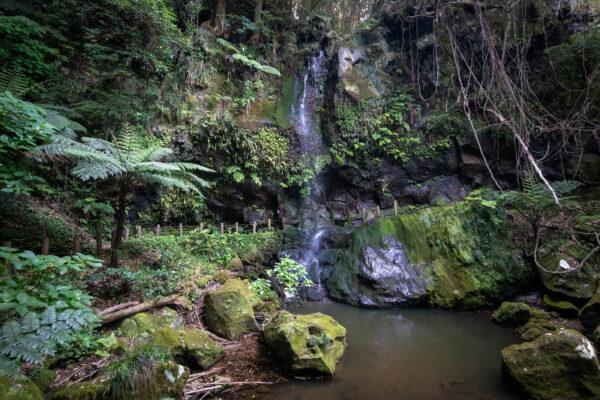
182, 230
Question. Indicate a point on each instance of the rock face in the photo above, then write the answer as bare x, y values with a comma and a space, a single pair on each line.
590, 313
228, 311
392, 279
306, 344
442, 255
22, 389
555, 366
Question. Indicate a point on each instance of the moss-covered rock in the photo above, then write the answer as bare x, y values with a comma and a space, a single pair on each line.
466, 250
306, 344
193, 347
559, 365
42, 377
20, 388
579, 284
78, 391
562, 306
229, 309
165, 380
590, 312
512, 314
142, 326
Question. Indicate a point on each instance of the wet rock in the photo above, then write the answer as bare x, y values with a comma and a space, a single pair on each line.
191, 346
306, 344
559, 365
229, 310
19, 388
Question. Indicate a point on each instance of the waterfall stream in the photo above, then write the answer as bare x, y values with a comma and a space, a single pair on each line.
313, 210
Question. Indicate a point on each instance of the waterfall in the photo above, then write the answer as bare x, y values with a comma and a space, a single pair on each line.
313, 206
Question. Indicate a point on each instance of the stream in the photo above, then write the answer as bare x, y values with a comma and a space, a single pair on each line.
409, 354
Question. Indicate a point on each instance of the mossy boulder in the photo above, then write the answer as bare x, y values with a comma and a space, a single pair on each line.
78, 391
555, 366
590, 312
564, 307
42, 377
305, 344
229, 310
465, 252
19, 388
193, 347
142, 326
512, 314
561, 256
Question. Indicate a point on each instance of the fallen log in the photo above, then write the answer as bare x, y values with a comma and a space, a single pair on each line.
176, 299
117, 307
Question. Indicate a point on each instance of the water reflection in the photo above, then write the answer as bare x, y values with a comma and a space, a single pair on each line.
409, 354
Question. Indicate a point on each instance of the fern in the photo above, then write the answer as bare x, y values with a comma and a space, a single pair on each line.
14, 81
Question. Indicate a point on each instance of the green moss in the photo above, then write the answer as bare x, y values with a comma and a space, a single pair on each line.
467, 250
306, 344
512, 314
192, 347
42, 377
562, 306
20, 388
221, 276
78, 391
228, 311
143, 325
558, 365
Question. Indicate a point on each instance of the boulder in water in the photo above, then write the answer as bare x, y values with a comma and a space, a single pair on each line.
514, 314
306, 344
228, 311
559, 365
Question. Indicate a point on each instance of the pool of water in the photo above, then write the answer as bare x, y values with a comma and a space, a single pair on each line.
409, 354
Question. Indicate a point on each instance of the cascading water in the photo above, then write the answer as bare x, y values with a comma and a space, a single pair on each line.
313, 211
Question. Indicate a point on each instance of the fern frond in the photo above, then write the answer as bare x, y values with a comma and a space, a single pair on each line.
14, 81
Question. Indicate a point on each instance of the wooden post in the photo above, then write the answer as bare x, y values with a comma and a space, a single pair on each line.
45, 244
396, 208
222, 228
180, 230
76, 244
201, 226
254, 227
269, 224
139, 230
282, 222
364, 214
126, 234
237, 228
158, 230
378, 211
98, 244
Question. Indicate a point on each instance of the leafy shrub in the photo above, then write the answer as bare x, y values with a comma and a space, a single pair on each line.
290, 274
42, 307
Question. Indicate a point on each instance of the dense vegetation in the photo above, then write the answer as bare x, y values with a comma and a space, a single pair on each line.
154, 151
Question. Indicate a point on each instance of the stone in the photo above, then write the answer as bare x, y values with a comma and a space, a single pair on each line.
559, 365
191, 346
512, 314
579, 284
142, 326
305, 344
228, 310
78, 391
563, 307
236, 264
19, 388
589, 315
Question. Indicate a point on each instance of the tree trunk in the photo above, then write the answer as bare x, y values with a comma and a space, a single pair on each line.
257, 19
219, 17
120, 219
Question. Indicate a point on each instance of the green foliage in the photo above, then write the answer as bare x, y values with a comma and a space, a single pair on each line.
154, 282
262, 287
246, 59
290, 274
41, 304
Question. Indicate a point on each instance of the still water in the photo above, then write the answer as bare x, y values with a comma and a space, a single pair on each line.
409, 354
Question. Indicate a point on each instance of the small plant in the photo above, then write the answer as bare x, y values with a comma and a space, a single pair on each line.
106, 343
290, 274
262, 287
